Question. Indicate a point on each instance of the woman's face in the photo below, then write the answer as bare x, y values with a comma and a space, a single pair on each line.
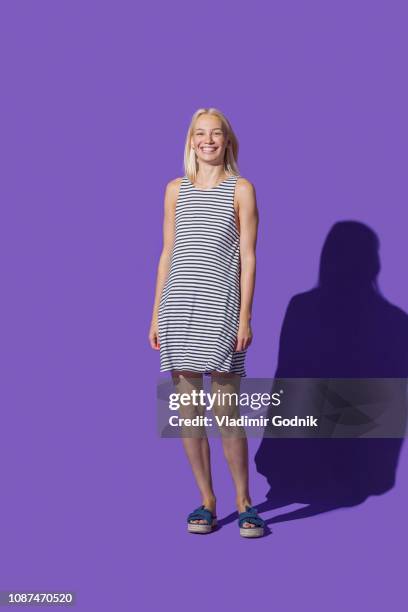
208, 139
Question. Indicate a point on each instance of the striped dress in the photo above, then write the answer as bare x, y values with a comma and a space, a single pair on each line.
199, 307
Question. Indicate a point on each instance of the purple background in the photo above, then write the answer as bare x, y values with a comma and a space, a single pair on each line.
96, 100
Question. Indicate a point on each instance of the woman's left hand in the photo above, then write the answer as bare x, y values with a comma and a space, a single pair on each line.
244, 337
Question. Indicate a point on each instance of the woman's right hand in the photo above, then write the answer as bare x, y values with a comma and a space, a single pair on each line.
154, 335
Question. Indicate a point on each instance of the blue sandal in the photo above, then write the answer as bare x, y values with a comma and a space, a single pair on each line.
251, 516
201, 513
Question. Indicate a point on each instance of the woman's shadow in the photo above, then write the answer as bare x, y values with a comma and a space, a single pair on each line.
343, 328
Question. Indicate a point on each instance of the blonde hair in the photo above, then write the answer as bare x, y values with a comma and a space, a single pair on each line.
231, 152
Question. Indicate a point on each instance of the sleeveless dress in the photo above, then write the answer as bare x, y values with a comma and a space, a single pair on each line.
199, 307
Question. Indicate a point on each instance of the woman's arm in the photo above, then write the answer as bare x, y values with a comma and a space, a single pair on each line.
248, 222
170, 199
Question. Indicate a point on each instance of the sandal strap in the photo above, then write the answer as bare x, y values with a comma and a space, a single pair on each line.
250, 516
201, 513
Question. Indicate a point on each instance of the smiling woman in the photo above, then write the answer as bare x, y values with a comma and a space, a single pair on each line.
201, 319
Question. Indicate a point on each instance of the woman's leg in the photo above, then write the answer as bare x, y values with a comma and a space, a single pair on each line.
195, 439
234, 439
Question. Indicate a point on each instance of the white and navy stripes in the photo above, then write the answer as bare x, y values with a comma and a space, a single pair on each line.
199, 306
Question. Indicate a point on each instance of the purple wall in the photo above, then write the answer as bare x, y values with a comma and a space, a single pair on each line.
96, 100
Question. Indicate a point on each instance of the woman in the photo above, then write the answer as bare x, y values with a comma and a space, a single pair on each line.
201, 319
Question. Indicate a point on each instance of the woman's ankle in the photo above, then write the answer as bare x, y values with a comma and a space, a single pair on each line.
210, 502
243, 502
